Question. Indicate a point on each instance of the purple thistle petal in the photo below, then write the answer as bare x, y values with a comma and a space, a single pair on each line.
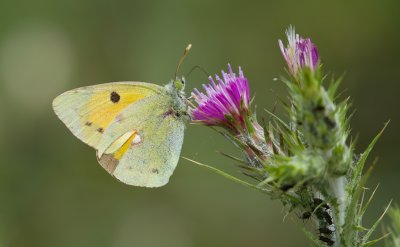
299, 53
223, 97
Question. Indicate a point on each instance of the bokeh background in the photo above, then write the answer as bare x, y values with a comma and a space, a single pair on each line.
53, 192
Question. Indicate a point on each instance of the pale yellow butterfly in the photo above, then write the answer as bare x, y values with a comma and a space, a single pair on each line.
136, 128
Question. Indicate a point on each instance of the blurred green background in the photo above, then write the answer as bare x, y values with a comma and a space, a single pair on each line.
53, 192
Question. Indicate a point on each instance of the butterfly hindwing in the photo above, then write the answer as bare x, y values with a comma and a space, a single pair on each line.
88, 111
142, 145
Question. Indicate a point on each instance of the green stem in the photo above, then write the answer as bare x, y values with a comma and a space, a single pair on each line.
241, 182
228, 176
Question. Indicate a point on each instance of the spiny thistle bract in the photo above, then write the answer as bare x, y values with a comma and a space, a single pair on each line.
308, 162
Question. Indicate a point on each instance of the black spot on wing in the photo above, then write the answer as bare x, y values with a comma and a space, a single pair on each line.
115, 97
154, 170
88, 123
100, 130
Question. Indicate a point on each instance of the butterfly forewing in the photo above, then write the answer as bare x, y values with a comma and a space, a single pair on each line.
88, 111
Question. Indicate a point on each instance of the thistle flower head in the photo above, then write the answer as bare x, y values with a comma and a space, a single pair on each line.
225, 102
299, 53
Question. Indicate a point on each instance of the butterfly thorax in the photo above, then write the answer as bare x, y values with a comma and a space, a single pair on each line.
176, 89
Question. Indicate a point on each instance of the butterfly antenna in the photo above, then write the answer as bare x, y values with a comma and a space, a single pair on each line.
200, 68
185, 52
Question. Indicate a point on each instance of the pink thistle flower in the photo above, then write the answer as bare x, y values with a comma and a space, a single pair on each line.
299, 53
225, 102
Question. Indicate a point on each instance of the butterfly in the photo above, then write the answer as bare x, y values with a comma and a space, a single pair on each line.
137, 128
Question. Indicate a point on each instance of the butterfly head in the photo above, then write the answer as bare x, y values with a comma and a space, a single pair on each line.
179, 84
